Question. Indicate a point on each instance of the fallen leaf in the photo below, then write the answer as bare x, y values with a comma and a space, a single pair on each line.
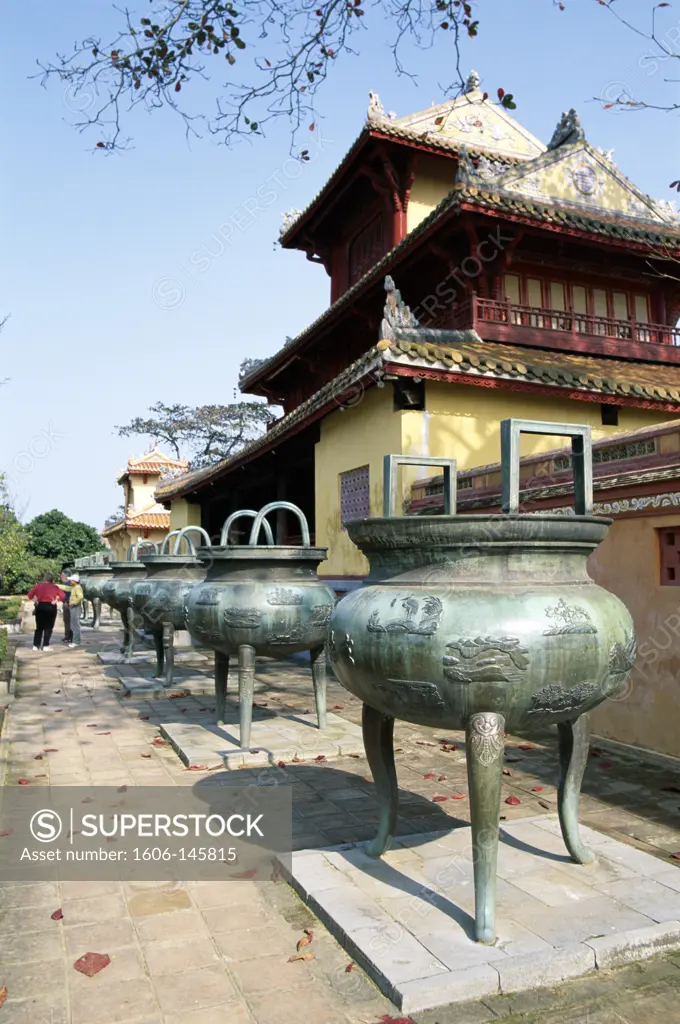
158, 742
92, 963
542, 803
146, 755
537, 789
250, 873
513, 800
439, 799
386, 1019
144, 718
675, 856
304, 941
459, 796
24, 782
122, 789
354, 755
179, 696
87, 800
43, 703
297, 760
3, 995
350, 967
425, 743
196, 768
38, 757
338, 707
430, 775
102, 734
300, 956
320, 757
57, 691
57, 711
506, 771
511, 760
442, 778
7, 832
50, 750
57, 915
43, 776
525, 746
280, 764
308, 931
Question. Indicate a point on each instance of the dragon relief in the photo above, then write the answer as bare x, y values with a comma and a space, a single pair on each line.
242, 618
426, 625
568, 619
490, 659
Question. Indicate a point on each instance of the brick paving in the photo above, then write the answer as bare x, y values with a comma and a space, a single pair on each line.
206, 952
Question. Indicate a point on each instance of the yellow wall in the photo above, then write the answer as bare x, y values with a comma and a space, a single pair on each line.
433, 180
121, 540
648, 713
184, 513
460, 421
139, 494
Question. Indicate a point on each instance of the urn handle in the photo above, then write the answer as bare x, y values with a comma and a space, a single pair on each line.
164, 548
581, 457
184, 534
139, 545
390, 467
224, 538
260, 521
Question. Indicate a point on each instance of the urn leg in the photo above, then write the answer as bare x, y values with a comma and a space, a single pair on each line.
246, 691
96, 612
221, 676
378, 731
318, 659
158, 646
130, 622
169, 651
484, 746
573, 744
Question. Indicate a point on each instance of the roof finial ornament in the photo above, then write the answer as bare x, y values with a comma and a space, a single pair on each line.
568, 131
465, 171
396, 315
376, 111
289, 218
472, 82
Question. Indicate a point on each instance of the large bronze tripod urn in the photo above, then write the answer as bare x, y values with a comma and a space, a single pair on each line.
261, 599
487, 623
92, 579
117, 591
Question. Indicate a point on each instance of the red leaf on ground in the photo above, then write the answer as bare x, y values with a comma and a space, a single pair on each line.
386, 1019
350, 967
354, 755
102, 734
179, 696
304, 941
3, 995
250, 873
506, 771
676, 856
38, 757
297, 760
514, 800
196, 768
525, 746
320, 757
7, 832
24, 782
430, 775
442, 778
280, 764
605, 764
95, 726
57, 915
158, 742
50, 750
537, 789
146, 755
144, 718
122, 789
439, 799
338, 707
92, 963
459, 796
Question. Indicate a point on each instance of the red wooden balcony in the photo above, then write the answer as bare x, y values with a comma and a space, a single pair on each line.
563, 330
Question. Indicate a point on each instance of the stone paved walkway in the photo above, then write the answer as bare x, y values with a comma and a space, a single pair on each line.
202, 953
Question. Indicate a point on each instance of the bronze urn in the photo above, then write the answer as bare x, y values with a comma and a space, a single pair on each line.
483, 623
92, 579
261, 599
117, 591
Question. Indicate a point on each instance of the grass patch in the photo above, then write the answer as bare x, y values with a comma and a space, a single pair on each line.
9, 608
3, 643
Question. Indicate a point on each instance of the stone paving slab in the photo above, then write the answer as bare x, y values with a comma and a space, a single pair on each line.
280, 739
407, 919
190, 654
191, 684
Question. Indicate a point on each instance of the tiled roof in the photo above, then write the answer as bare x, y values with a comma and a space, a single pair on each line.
621, 230
153, 517
153, 462
446, 353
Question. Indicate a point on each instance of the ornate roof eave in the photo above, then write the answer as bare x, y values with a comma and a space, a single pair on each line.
512, 206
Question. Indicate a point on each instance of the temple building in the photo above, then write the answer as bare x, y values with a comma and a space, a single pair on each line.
475, 274
145, 518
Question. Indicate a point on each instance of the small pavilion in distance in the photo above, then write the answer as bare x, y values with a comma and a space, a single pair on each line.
145, 518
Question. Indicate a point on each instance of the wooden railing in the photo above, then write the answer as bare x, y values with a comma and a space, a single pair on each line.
477, 311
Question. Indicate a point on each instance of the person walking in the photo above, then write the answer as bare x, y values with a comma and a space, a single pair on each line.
46, 596
65, 609
75, 604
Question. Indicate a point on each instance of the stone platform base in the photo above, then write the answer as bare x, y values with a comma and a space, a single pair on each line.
279, 738
190, 654
408, 919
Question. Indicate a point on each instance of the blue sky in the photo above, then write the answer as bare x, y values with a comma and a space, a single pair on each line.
108, 312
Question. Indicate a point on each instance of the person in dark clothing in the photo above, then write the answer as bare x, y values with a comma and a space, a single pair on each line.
66, 609
45, 595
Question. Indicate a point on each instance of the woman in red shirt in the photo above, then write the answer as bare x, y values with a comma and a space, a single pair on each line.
45, 595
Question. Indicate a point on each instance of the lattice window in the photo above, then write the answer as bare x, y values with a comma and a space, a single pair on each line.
366, 249
614, 452
355, 496
669, 557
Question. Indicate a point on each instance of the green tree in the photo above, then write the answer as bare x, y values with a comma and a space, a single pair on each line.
53, 535
20, 568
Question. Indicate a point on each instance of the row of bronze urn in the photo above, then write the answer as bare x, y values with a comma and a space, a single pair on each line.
485, 623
